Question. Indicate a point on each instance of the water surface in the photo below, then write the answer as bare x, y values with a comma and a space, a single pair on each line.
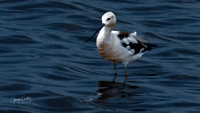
45, 66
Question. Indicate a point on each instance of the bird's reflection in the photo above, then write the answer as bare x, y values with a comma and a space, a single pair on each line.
109, 89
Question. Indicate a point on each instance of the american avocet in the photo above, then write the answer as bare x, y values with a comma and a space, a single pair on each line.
117, 46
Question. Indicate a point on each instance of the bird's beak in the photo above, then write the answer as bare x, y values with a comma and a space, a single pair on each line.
95, 33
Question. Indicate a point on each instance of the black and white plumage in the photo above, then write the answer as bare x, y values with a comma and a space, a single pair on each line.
133, 43
119, 47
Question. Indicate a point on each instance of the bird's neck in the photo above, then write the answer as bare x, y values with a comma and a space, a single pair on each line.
104, 35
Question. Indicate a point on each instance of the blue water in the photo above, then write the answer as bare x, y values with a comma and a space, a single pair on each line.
45, 66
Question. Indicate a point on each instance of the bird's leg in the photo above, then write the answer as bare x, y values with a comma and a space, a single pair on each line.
114, 64
114, 78
126, 72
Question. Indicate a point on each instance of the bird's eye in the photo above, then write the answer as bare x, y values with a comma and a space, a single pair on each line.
108, 19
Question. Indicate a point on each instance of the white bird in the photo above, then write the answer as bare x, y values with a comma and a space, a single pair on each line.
116, 46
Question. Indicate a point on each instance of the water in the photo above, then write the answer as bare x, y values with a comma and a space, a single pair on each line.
46, 68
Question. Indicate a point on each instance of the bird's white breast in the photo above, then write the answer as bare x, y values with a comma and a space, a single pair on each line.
109, 47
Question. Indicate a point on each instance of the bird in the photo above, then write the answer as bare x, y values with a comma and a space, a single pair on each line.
118, 46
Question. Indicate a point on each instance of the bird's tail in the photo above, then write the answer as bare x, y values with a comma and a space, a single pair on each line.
150, 46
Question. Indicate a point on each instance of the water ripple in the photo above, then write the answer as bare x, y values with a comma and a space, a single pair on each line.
44, 57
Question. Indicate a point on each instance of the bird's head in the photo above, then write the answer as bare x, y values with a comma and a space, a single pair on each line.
109, 19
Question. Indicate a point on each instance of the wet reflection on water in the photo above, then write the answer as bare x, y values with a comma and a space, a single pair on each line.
109, 89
